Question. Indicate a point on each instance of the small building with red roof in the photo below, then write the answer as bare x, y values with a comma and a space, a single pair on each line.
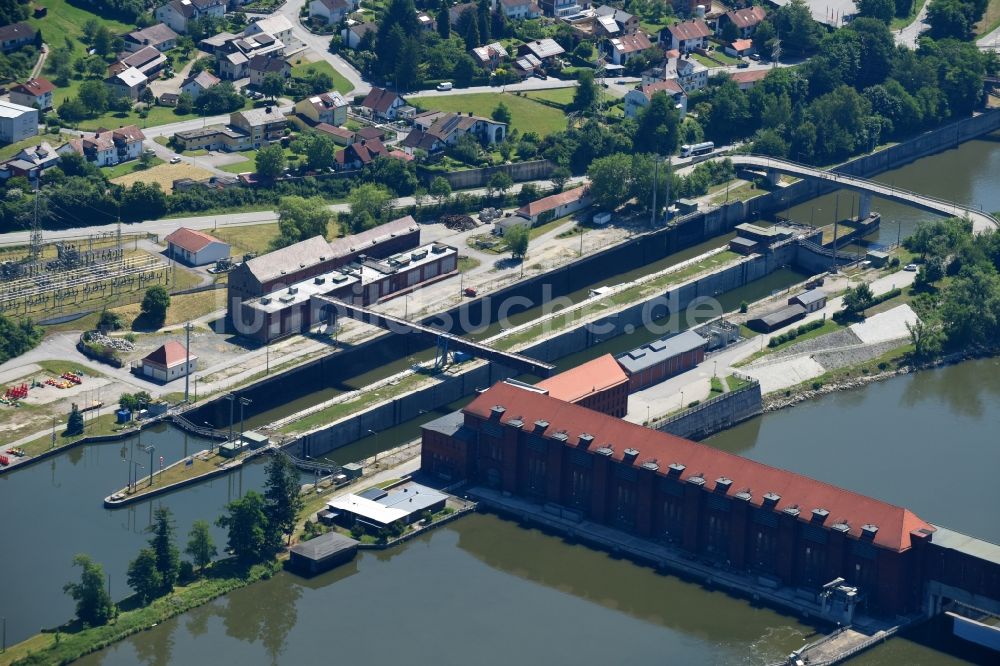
600, 384
195, 248
169, 362
555, 205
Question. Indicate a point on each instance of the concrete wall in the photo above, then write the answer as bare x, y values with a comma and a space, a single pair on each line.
716, 414
466, 178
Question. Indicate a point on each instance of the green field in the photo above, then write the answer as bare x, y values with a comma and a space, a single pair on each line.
126, 168
8, 151
301, 68
526, 115
65, 20
562, 96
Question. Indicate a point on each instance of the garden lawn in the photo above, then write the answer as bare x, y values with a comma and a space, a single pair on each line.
8, 151
301, 68
526, 115
131, 166
66, 20
562, 96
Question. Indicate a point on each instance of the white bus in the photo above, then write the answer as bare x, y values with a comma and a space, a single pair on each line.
704, 148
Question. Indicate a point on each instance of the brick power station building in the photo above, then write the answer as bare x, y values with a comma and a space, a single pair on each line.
744, 515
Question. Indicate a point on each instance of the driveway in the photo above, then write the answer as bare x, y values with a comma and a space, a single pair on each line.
908, 35
320, 45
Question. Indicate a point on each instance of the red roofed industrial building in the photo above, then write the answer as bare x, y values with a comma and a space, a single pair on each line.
169, 362
600, 385
555, 205
749, 517
195, 248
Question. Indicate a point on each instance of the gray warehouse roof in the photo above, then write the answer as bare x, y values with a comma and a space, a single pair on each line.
779, 317
659, 351
448, 424
811, 296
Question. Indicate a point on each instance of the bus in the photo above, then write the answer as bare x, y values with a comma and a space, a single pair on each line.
704, 148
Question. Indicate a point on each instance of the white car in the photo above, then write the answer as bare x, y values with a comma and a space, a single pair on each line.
175, 159
444, 85
912, 268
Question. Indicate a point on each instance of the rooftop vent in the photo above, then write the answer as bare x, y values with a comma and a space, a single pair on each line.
651, 465
319, 280
516, 423
770, 500
560, 436
868, 531
265, 300
744, 495
792, 511
497, 411
697, 480
676, 469
841, 527
293, 290
605, 451
722, 484
819, 515
541, 425
586, 440
631, 455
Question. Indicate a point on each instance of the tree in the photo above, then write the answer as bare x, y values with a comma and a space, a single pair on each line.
168, 559
154, 306
143, 576
102, 41
185, 103
443, 20
586, 91
369, 205
250, 538
883, 10
220, 98
282, 492
858, 299
272, 85
730, 33
200, 545
971, 307
463, 71
17, 337
517, 237
93, 604
559, 177
954, 19
440, 189
300, 218
75, 424
927, 339
501, 113
795, 24
468, 24
499, 182
657, 128
320, 150
94, 96
903, 8
270, 162
610, 180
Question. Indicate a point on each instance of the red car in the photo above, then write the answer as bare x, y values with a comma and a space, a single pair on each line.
469, 291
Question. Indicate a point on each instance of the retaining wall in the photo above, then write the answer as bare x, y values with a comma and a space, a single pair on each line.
466, 178
717, 414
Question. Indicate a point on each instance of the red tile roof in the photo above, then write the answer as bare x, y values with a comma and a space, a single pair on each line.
894, 523
690, 30
577, 383
552, 202
170, 354
747, 17
752, 76
380, 100
191, 240
35, 87
669, 86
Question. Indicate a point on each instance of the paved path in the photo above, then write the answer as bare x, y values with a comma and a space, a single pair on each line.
40, 63
909, 35
320, 45
990, 40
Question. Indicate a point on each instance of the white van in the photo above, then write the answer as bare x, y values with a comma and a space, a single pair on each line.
444, 85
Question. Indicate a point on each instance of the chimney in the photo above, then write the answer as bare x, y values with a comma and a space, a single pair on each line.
585, 440
722, 484
868, 531
792, 511
770, 500
541, 425
605, 451
651, 465
630, 456
819, 515
675, 469
496, 412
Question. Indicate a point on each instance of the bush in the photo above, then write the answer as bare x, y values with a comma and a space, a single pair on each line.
794, 333
817, 385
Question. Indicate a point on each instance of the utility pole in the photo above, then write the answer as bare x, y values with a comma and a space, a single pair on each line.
836, 222
150, 449
187, 360
656, 176
243, 402
230, 397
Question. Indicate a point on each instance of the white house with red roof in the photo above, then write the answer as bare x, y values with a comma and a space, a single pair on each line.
36, 92
195, 248
640, 97
169, 362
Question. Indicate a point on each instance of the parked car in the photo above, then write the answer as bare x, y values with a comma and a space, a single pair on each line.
444, 85
742, 65
912, 268
175, 159
755, 56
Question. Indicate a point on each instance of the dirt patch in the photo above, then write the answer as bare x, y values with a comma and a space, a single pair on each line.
164, 174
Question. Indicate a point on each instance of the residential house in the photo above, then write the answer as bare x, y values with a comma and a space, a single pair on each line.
331, 11
686, 36
160, 36
520, 9
546, 50
353, 34
640, 97
233, 56
357, 155
213, 137
147, 60
748, 79
168, 99
435, 131
746, 20
621, 22
275, 25
689, 73
489, 57
107, 147
340, 135
526, 65
370, 133
740, 48
329, 108
455, 11
620, 49
563, 7
262, 65
16, 35
382, 103
36, 93
128, 83
199, 83
177, 13
30, 163
195, 248
426, 22
264, 125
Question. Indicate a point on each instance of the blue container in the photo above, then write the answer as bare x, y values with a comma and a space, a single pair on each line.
124, 415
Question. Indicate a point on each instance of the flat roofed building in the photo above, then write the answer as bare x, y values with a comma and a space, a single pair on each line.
797, 531
778, 318
812, 300
17, 122
600, 384
663, 358
381, 508
322, 553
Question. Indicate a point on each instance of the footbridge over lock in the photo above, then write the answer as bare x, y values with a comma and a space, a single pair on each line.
446, 342
774, 167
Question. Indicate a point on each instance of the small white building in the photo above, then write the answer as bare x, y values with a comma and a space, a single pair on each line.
195, 248
331, 11
36, 93
199, 83
686, 36
329, 108
17, 122
275, 25
639, 98
169, 362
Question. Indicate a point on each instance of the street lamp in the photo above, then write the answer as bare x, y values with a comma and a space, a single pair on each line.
372, 432
243, 403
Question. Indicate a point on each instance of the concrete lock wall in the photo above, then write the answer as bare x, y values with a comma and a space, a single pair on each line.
465, 178
717, 414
